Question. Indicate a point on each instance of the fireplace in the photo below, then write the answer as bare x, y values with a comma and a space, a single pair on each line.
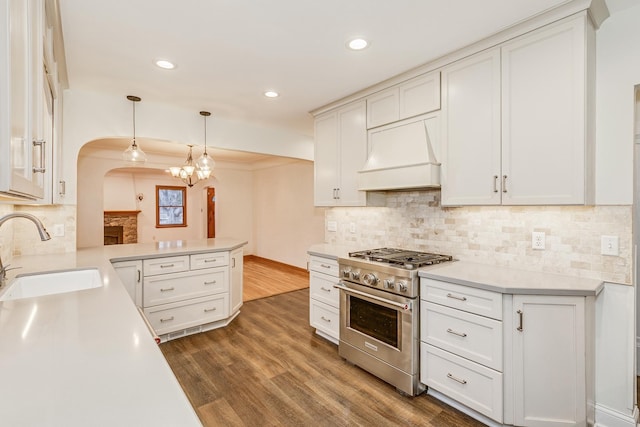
113, 235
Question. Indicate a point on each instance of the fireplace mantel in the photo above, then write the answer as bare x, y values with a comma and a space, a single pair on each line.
121, 213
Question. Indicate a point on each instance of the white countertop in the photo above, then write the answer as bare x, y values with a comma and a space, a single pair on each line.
509, 280
87, 358
327, 250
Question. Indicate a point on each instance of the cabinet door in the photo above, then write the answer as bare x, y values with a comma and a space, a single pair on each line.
549, 360
419, 95
353, 153
544, 110
326, 160
383, 107
470, 121
237, 265
130, 273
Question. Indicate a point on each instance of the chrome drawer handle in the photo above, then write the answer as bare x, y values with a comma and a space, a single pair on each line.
461, 381
210, 260
504, 183
210, 283
167, 265
495, 183
325, 289
167, 289
208, 310
167, 319
325, 266
460, 334
456, 297
325, 319
520, 313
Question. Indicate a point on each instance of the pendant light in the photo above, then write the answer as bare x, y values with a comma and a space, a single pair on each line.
205, 163
134, 154
185, 172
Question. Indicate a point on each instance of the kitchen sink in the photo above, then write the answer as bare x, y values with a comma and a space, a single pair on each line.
55, 282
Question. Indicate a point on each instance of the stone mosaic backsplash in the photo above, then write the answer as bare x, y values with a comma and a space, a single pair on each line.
499, 235
26, 240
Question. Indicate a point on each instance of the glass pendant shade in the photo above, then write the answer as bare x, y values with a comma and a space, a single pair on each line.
134, 154
191, 172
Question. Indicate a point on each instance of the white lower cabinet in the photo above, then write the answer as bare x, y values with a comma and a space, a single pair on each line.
524, 360
324, 299
185, 294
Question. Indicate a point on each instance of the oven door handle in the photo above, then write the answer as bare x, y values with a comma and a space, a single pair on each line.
390, 304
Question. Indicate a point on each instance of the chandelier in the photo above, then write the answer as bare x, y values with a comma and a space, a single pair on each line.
134, 154
191, 172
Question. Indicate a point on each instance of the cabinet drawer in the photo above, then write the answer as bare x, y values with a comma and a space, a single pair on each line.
325, 318
473, 385
208, 260
172, 264
324, 265
474, 337
321, 289
172, 317
473, 300
180, 286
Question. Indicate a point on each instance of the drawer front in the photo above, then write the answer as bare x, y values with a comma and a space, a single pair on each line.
173, 317
473, 385
473, 337
209, 260
174, 264
321, 289
473, 300
180, 286
324, 265
325, 318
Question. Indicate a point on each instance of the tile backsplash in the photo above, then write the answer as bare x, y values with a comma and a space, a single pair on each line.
26, 240
499, 235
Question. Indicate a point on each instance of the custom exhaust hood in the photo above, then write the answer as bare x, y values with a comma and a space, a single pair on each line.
401, 156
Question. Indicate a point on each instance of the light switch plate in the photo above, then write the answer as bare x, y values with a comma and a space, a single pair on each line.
332, 226
609, 245
352, 227
58, 230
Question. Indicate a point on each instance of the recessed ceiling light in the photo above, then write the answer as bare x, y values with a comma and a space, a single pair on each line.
271, 94
358, 44
163, 63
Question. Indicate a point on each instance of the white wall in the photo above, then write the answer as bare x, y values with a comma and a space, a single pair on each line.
91, 116
285, 221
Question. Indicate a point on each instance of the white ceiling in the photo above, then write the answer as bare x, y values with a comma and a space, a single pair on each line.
228, 52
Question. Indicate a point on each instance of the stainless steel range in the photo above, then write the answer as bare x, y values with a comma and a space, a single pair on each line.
379, 313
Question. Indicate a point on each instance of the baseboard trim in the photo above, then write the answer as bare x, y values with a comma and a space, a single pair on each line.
607, 417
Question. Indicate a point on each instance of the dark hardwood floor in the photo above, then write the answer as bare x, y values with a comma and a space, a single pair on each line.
269, 368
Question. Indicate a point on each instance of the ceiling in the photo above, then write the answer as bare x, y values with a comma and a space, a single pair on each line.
228, 52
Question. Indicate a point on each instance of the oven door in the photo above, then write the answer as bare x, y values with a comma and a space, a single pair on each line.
379, 323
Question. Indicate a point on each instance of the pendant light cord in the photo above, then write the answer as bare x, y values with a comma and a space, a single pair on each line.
134, 124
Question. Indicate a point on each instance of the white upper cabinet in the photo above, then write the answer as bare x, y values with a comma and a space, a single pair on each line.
470, 130
340, 151
517, 120
416, 96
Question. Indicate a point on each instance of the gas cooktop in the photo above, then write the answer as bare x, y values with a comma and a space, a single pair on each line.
401, 258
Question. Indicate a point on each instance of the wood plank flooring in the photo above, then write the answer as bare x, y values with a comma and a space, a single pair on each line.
269, 368
264, 278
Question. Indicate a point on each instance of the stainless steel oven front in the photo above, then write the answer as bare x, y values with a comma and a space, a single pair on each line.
379, 331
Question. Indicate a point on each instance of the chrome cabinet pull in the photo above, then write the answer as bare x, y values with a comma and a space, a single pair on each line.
210, 283
461, 381
325, 289
495, 183
520, 313
504, 183
325, 266
456, 297
167, 265
208, 310
325, 319
62, 187
42, 166
460, 334
139, 275
210, 260
168, 319
233, 263
167, 289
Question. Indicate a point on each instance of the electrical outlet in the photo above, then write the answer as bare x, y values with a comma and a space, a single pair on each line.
537, 240
58, 230
332, 226
609, 245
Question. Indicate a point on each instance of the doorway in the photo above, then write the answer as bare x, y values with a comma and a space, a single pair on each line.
211, 212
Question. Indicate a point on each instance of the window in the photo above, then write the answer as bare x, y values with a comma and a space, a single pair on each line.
171, 206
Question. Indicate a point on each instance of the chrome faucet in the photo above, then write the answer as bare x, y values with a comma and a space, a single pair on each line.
44, 235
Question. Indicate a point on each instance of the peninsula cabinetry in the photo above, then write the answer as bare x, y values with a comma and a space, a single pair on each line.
130, 273
340, 151
324, 299
529, 104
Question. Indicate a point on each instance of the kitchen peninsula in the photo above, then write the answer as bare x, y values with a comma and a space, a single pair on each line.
87, 357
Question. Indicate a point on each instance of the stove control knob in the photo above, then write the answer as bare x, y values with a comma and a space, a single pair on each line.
355, 275
388, 284
370, 279
346, 272
402, 287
